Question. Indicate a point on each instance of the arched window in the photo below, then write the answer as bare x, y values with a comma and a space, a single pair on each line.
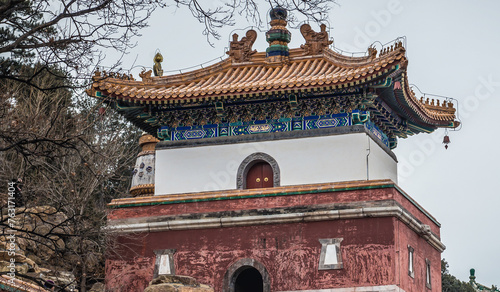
258, 170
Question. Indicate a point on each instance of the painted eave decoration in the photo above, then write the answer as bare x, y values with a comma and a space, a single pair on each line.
284, 84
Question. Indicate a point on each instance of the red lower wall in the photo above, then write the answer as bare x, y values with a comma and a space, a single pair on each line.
422, 250
290, 253
363, 195
374, 250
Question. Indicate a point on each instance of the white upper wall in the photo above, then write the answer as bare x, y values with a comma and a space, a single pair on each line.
308, 160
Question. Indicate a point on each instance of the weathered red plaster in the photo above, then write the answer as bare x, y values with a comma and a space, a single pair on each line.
275, 202
128, 274
290, 252
422, 251
252, 203
374, 250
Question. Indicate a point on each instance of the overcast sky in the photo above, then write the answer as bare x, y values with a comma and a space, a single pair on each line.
453, 50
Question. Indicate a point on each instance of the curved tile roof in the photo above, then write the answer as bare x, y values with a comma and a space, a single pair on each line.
258, 76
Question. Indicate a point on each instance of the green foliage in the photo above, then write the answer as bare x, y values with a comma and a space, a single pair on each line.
22, 14
450, 283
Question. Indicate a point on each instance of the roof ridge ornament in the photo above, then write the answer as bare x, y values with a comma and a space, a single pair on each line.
315, 41
241, 51
278, 37
372, 52
158, 71
146, 76
398, 45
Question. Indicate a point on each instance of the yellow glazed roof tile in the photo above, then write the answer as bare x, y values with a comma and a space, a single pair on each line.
256, 76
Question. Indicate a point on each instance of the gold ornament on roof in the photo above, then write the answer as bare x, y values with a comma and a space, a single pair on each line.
157, 66
372, 52
146, 75
147, 142
241, 51
315, 41
396, 46
437, 106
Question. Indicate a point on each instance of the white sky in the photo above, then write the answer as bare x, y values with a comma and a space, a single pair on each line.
453, 49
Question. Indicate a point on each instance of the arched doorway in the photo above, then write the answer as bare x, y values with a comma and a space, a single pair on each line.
254, 170
260, 175
248, 280
246, 275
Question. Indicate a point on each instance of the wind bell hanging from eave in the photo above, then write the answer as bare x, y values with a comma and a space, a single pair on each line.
446, 139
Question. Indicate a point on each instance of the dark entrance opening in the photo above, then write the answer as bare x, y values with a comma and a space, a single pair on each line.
249, 280
260, 175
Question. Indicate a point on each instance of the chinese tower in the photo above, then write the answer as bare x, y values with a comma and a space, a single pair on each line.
274, 171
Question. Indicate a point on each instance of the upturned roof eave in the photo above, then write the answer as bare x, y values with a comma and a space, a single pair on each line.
426, 115
354, 71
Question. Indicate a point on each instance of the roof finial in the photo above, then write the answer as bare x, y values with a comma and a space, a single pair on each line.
278, 36
157, 66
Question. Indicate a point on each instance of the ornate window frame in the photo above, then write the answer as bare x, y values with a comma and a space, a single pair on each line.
239, 266
161, 256
326, 245
250, 161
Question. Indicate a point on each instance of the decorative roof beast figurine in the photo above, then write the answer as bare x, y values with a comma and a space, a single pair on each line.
241, 51
315, 41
